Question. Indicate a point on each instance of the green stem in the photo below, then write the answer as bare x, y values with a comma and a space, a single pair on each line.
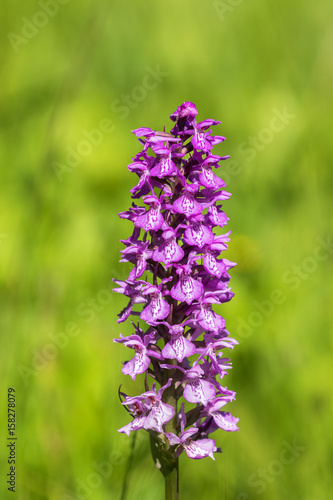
172, 475
172, 483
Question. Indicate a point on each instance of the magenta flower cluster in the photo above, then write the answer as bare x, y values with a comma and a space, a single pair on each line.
174, 243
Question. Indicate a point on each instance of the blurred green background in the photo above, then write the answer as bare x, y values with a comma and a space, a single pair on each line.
68, 68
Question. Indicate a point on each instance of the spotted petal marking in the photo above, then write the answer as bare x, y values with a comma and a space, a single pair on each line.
198, 234
200, 449
153, 219
187, 205
173, 252
187, 288
209, 177
199, 391
138, 423
141, 265
179, 347
158, 416
211, 265
208, 317
217, 218
138, 364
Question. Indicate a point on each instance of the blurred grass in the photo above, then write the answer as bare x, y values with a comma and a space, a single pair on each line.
60, 240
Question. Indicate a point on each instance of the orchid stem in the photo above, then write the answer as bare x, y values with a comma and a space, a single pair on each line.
172, 477
172, 482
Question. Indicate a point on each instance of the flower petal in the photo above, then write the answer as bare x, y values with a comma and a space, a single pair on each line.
199, 391
137, 365
198, 235
200, 449
187, 289
225, 421
187, 205
158, 416
156, 309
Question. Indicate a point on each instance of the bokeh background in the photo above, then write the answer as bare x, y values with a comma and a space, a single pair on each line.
69, 68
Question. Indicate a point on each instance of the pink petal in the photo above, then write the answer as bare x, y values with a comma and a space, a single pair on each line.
198, 235
187, 205
212, 266
137, 365
199, 391
163, 168
178, 348
151, 220
156, 309
135, 425
210, 180
158, 416
168, 252
225, 421
200, 449
217, 218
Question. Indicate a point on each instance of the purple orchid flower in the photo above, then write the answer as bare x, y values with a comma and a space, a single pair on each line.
187, 288
211, 352
184, 116
198, 234
152, 136
149, 411
165, 165
179, 347
223, 419
138, 254
133, 290
202, 140
160, 412
141, 360
212, 265
142, 169
207, 177
207, 197
216, 217
185, 110
199, 448
187, 203
174, 245
139, 412
157, 308
203, 313
218, 288
169, 251
190, 440
152, 220
197, 389
133, 213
